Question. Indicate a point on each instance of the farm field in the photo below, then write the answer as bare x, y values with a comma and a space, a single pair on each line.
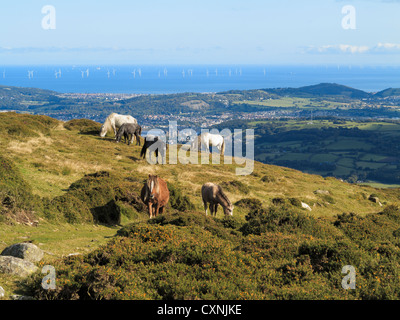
350, 150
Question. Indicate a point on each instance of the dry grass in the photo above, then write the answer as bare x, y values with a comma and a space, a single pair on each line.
51, 164
30, 146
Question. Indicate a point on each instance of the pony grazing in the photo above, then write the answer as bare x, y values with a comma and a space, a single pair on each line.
155, 195
153, 143
129, 131
209, 140
114, 121
213, 194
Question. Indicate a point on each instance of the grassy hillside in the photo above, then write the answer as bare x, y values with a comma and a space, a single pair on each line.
80, 193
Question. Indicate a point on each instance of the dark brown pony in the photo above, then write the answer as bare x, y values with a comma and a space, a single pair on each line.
129, 131
155, 195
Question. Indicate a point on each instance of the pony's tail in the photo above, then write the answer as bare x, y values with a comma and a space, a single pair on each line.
223, 147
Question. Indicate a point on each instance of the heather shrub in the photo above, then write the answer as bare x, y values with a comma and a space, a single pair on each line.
177, 200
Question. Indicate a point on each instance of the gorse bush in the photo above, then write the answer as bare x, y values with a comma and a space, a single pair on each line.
249, 203
100, 197
177, 200
281, 254
283, 218
84, 126
17, 201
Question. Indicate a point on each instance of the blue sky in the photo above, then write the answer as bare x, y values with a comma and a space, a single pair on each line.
269, 32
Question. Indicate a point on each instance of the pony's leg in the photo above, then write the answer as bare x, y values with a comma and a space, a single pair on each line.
215, 209
205, 206
207, 146
211, 207
151, 210
157, 209
137, 139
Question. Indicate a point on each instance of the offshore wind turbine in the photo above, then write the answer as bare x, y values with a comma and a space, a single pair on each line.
87, 73
165, 72
134, 73
30, 74
4, 74
140, 72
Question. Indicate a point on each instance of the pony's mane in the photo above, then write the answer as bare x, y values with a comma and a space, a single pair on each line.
223, 195
111, 115
155, 180
107, 123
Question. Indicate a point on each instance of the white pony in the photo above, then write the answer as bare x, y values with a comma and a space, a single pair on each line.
208, 139
114, 121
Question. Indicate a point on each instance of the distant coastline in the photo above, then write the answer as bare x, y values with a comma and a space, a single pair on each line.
197, 79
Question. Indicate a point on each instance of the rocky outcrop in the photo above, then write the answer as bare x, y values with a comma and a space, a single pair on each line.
374, 199
26, 251
20, 258
16, 266
319, 191
305, 206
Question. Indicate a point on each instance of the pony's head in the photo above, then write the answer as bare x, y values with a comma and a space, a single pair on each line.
105, 127
228, 211
152, 185
103, 131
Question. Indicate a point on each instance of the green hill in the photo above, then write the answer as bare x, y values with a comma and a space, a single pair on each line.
388, 93
82, 193
322, 89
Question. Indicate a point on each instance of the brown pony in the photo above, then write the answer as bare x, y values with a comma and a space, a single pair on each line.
213, 194
155, 195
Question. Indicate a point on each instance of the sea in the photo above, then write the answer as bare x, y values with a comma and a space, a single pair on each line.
154, 79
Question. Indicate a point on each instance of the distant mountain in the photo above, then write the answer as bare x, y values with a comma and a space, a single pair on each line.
322, 89
388, 93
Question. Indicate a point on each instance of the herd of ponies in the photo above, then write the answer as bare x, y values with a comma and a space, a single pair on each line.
155, 193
